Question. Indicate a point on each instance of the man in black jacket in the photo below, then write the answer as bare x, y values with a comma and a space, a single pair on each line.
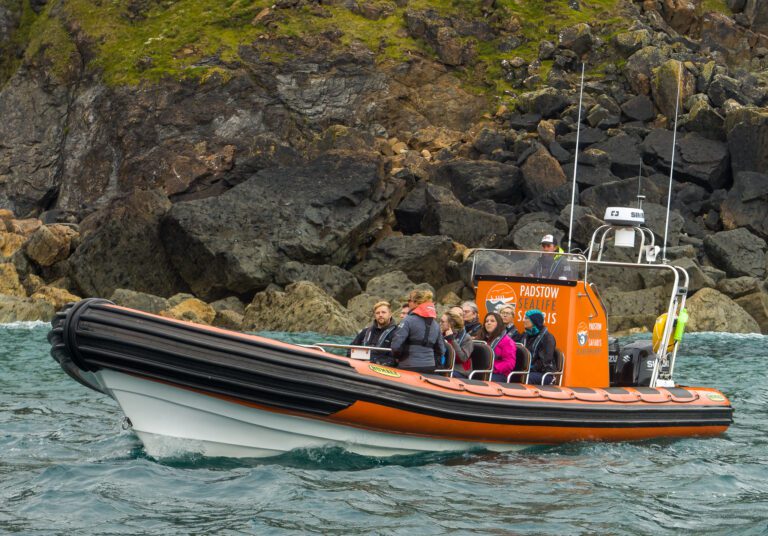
379, 334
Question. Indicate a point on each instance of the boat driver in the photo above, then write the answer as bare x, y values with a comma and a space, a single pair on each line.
550, 266
379, 334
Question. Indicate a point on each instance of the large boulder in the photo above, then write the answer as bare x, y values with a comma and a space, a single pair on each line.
618, 194
422, 258
666, 79
737, 287
139, 300
640, 65
623, 152
738, 252
57, 297
747, 132
191, 310
15, 309
468, 226
710, 310
337, 282
121, 248
541, 173
473, 181
50, 244
639, 108
756, 304
698, 159
547, 102
301, 307
745, 205
577, 38
318, 213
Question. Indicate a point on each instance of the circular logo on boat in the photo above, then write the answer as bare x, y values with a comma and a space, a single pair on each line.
716, 397
500, 295
385, 371
582, 333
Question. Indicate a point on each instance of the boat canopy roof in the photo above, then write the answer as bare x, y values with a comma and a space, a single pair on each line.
512, 265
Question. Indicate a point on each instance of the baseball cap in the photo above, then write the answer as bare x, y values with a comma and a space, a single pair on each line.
548, 239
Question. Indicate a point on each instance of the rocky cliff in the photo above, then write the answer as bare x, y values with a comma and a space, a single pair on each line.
168, 151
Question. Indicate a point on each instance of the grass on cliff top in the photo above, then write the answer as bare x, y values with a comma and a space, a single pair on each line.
147, 40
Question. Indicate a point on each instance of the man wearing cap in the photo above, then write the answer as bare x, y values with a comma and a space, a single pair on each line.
550, 266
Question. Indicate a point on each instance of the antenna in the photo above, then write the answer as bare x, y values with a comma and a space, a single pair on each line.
640, 196
576, 159
672, 165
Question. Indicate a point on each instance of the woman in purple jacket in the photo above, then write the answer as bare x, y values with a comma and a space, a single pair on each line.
495, 335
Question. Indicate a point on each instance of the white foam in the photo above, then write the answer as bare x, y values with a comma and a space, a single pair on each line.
26, 325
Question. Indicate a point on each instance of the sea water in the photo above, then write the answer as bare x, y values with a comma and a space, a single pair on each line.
67, 466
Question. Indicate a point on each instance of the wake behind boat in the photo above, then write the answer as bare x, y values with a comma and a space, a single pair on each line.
224, 393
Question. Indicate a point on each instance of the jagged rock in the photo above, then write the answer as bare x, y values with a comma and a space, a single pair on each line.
590, 175
577, 38
588, 136
473, 181
473, 228
756, 304
740, 286
618, 194
700, 160
191, 310
142, 301
724, 88
698, 279
230, 303
10, 243
710, 310
526, 121
721, 33
743, 126
50, 244
655, 218
337, 282
681, 15
422, 258
716, 274
601, 117
322, 213
411, 209
301, 307
541, 173
15, 309
488, 141
745, 203
623, 152
633, 309
228, 319
394, 287
639, 108
638, 69
57, 297
705, 120
738, 252
121, 248
547, 102
10, 284
630, 42
508, 212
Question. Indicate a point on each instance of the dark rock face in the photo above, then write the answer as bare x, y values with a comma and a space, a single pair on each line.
738, 252
422, 258
617, 194
705, 162
639, 108
468, 226
745, 205
34, 115
411, 209
473, 181
541, 173
121, 248
320, 213
623, 152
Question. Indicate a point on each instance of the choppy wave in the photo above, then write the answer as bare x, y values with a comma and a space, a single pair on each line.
67, 466
26, 325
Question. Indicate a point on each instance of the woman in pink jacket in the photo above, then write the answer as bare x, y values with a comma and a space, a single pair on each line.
494, 334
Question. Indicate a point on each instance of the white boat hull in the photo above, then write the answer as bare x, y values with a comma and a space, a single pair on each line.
170, 420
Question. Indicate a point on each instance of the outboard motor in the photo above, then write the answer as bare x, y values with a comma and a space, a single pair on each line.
632, 365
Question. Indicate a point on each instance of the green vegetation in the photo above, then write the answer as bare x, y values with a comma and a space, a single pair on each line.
147, 40
18, 39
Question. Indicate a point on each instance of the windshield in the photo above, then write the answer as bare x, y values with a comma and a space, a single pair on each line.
490, 263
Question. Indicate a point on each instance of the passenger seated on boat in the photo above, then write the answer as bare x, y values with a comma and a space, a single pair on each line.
471, 318
404, 310
379, 333
507, 313
417, 342
541, 344
452, 326
550, 266
503, 347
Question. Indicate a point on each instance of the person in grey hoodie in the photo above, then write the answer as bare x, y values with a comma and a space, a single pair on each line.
417, 340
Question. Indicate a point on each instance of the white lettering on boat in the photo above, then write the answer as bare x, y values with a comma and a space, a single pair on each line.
538, 291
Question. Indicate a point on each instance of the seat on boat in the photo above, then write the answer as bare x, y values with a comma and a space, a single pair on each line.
450, 354
522, 364
482, 361
559, 364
